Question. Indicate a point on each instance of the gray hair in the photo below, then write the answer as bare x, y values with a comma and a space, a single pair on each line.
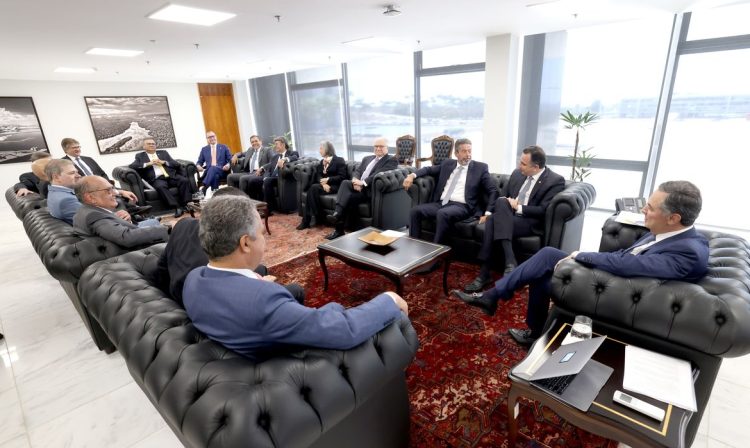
83, 186
683, 198
224, 220
55, 167
459, 142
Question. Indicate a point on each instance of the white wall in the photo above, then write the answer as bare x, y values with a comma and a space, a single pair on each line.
62, 113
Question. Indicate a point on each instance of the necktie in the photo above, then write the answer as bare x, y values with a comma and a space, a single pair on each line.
522, 196
648, 242
251, 166
213, 155
161, 167
452, 186
86, 171
369, 168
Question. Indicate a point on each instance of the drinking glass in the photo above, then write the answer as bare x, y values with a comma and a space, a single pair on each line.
581, 327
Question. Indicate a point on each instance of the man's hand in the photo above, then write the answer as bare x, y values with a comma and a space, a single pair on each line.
358, 183
22, 192
482, 219
513, 203
401, 303
323, 181
129, 196
225, 167
409, 180
357, 187
122, 214
269, 278
326, 188
258, 172
280, 163
234, 160
199, 168
569, 257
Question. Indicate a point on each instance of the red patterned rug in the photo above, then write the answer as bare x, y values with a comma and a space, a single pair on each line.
458, 383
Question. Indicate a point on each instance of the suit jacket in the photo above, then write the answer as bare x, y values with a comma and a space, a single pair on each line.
31, 182
256, 317
268, 169
223, 156
478, 180
182, 254
147, 173
545, 188
681, 257
387, 162
264, 157
95, 168
104, 224
336, 172
62, 203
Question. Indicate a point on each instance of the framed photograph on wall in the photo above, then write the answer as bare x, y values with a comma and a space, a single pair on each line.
122, 122
20, 132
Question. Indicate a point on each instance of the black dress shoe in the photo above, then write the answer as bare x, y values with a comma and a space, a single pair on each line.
478, 300
335, 218
509, 268
303, 225
523, 337
477, 285
178, 212
333, 235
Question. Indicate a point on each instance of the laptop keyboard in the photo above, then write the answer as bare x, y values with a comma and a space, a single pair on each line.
556, 384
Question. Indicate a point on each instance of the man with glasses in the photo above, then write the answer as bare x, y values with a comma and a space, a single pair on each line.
353, 192
160, 170
214, 159
97, 216
249, 163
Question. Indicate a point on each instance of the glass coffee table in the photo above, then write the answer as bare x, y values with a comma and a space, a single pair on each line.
396, 261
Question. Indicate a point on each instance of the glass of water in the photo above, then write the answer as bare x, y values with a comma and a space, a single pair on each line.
581, 327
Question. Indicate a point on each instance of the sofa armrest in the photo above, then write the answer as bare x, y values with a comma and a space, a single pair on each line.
188, 169
616, 236
421, 190
21, 206
130, 180
391, 204
567, 206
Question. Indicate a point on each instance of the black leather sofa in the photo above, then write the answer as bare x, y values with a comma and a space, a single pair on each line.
388, 209
213, 397
563, 221
702, 322
287, 192
130, 180
24, 204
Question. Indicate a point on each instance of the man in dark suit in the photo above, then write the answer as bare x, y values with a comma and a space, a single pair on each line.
97, 216
31, 183
214, 159
519, 211
232, 305
460, 184
353, 192
159, 169
249, 163
263, 187
672, 250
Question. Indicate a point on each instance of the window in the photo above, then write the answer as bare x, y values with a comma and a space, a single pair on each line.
455, 55
731, 20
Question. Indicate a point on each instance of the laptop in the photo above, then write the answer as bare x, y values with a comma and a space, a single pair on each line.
571, 376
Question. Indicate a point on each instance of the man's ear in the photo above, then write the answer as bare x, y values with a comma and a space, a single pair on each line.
245, 243
674, 219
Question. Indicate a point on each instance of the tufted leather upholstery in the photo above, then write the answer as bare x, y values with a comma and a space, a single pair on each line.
701, 322
211, 396
406, 149
24, 204
390, 204
563, 221
288, 191
442, 148
130, 180
66, 253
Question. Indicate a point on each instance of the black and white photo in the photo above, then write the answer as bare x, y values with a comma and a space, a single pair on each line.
20, 132
122, 122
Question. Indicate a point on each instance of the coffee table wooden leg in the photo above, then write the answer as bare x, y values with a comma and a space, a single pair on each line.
446, 264
322, 260
399, 285
512, 423
268, 230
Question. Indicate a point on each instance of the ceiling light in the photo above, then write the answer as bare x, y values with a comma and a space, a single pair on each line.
75, 70
390, 10
114, 52
193, 16
378, 43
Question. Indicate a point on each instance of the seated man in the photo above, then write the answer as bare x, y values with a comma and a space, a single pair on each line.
519, 211
466, 179
263, 187
183, 254
353, 192
160, 170
97, 217
31, 183
214, 158
232, 305
249, 162
672, 250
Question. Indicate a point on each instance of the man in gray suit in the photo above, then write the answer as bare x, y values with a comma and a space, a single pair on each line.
249, 163
97, 217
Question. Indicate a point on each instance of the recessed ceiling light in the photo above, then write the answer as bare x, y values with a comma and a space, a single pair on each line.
193, 16
75, 70
114, 52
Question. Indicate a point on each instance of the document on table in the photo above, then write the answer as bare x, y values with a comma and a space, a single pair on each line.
633, 219
392, 233
659, 376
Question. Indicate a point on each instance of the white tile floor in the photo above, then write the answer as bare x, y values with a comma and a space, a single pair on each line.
58, 390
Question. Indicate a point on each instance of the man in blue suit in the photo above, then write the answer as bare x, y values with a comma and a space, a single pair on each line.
214, 159
466, 181
234, 306
672, 250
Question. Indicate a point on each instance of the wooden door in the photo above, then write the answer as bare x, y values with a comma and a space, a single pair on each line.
219, 113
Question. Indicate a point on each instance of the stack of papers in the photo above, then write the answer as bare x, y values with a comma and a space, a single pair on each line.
630, 218
659, 376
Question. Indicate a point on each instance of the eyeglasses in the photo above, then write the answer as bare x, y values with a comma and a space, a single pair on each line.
210, 136
110, 190
381, 146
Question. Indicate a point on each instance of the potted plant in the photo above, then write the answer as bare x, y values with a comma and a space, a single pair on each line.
582, 160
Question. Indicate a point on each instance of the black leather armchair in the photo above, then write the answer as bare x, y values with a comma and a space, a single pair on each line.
212, 396
563, 221
388, 209
21, 206
287, 192
701, 322
130, 180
